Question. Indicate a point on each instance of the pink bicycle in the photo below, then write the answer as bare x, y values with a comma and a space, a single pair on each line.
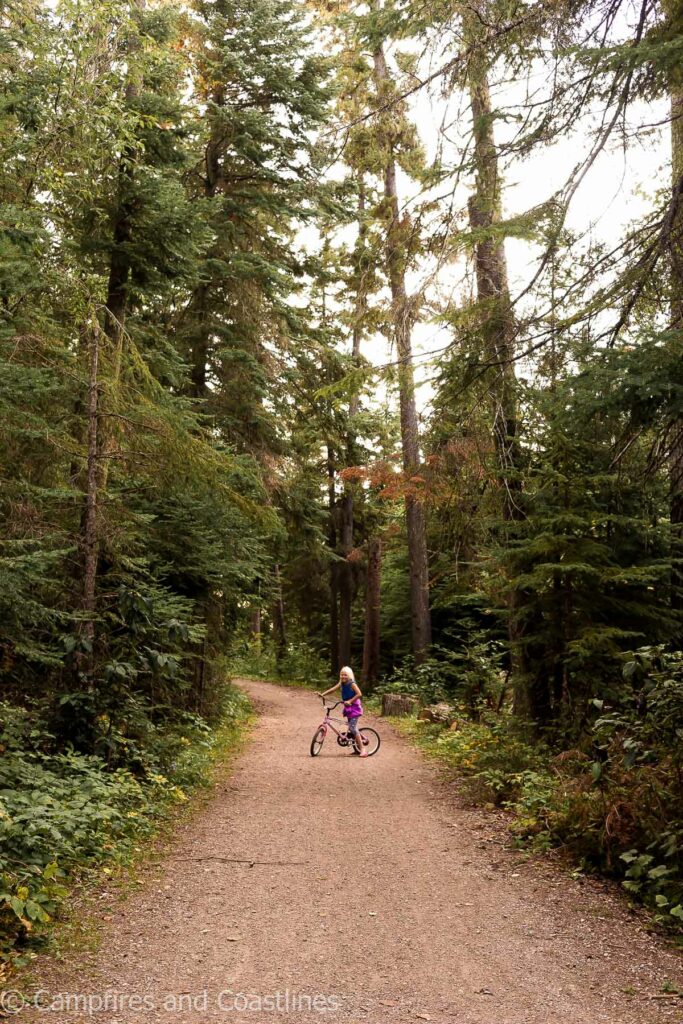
369, 737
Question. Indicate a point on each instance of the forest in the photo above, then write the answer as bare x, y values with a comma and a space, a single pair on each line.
338, 333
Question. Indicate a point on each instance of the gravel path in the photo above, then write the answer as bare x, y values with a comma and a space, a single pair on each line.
354, 890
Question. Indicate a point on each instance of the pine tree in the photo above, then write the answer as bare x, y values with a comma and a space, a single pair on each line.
380, 138
674, 16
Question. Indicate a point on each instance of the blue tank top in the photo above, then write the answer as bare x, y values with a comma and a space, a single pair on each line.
348, 692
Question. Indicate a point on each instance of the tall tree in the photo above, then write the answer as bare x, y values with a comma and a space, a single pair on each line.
494, 306
398, 228
371, 642
674, 16
360, 284
493, 292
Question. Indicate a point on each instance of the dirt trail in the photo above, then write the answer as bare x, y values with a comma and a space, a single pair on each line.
368, 884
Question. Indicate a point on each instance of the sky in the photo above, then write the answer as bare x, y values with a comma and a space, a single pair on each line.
616, 191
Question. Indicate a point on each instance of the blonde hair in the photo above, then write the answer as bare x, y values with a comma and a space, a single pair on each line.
349, 672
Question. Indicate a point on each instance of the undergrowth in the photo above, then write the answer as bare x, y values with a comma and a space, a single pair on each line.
298, 665
613, 801
65, 816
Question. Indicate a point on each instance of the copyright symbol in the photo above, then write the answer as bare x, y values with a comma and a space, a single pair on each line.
11, 1001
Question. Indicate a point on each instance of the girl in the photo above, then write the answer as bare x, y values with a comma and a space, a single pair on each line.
353, 709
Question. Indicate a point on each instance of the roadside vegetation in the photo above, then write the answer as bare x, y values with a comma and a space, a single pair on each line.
300, 665
612, 800
68, 817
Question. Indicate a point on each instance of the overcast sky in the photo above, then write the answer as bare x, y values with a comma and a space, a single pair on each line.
617, 190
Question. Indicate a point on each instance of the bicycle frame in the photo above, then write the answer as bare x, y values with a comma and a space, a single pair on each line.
360, 740
328, 719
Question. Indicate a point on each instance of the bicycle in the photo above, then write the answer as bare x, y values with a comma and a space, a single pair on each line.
369, 737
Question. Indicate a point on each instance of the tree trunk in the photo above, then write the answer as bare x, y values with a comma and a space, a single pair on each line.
213, 619
256, 623
100, 434
279, 619
346, 574
371, 649
200, 343
399, 705
335, 664
674, 12
256, 628
119, 264
199, 347
493, 293
200, 676
90, 526
402, 319
497, 320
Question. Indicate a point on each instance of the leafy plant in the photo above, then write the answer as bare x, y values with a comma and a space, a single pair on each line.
62, 814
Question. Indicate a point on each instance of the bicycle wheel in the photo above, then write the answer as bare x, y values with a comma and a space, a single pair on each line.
317, 741
371, 740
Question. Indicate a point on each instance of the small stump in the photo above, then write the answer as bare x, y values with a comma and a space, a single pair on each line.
398, 704
443, 714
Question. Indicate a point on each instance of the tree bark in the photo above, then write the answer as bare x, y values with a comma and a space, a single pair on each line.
200, 343
119, 264
674, 12
345, 576
90, 526
256, 623
346, 505
402, 318
256, 629
493, 292
100, 437
335, 664
279, 619
497, 321
212, 644
371, 644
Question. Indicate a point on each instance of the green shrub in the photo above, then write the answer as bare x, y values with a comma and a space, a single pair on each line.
63, 813
534, 804
638, 771
493, 762
468, 674
615, 803
300, 664
429, 682
490, 757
